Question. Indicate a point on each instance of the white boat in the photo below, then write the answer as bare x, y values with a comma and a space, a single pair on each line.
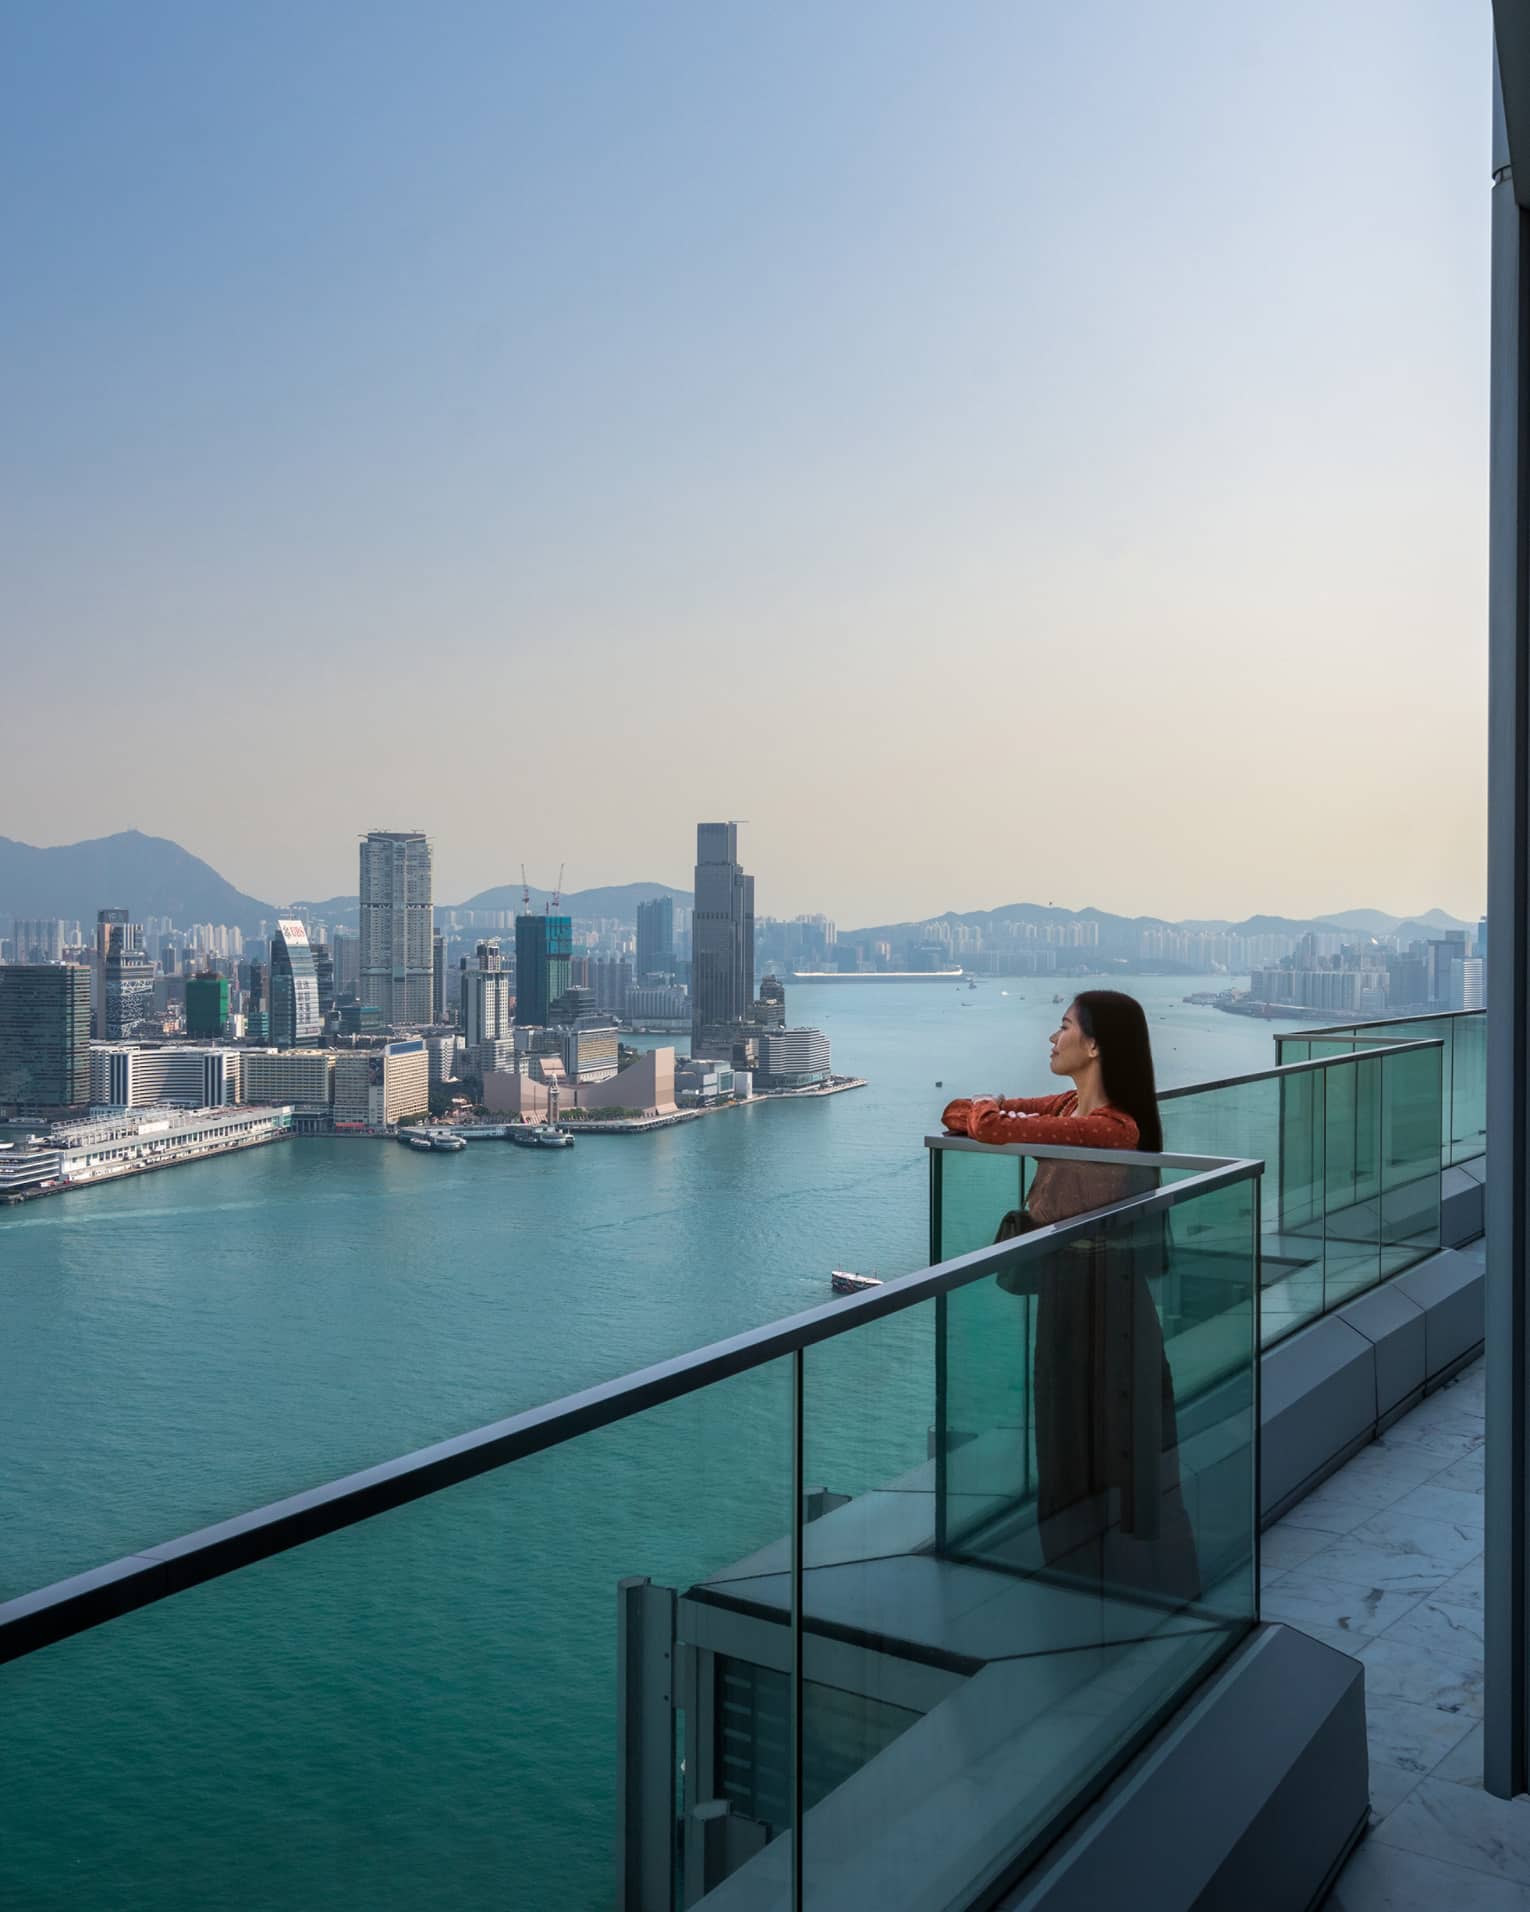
538, 1135
419, 1142
447, 1142
844, 1282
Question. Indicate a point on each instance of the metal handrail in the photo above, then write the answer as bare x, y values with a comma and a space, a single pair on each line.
52, 1613
1282, 1070
1372, 1022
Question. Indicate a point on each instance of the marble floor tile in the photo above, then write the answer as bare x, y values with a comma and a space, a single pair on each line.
1464, 1589
1345, 1500
1442, 1445
1390, 1786
1467, 1476
1463, 1765
1392, 1458
1415, 1738
1303, 1596
1379, 1878
1342, 1639
1404, 1670
1442, 1628
1443, 1544
1383, 1564
1464, 1827
1435, 1501
1282, 1547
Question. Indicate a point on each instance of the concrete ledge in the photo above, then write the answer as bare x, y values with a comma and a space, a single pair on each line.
1449, 1288
1318, 1406
1461, 1207
1253, 1798
1335, 1385
1393, 1323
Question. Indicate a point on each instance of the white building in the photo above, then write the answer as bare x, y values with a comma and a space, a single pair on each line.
130, 1075
94, 1150
1466, 983
791, 1058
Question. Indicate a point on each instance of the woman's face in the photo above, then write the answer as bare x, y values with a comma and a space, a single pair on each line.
1072, 1050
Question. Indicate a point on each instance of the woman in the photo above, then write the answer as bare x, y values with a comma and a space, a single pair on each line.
1109, 1505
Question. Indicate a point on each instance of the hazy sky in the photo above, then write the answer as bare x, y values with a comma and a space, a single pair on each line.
999, 450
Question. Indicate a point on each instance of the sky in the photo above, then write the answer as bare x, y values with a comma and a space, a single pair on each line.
998, 452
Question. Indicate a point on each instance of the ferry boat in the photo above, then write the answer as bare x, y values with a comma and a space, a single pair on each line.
844, 1282
422, 1142
447, 1142
539, 1135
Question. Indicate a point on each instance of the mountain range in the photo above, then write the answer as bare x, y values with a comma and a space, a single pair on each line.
1114, 929
151, 876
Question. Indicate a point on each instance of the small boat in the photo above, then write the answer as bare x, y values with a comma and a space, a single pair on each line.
938, 1083
971, 984
1057, 999
538, 1135
844, 1282
421, 1142
447, 1142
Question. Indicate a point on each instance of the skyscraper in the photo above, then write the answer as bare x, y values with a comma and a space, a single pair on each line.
124, 977
207, 1005
656, 939
486, 997
722, 940
437, 977
544, 947
397, 926
294, 987
44, 1035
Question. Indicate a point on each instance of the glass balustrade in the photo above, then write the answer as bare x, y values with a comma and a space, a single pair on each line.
1351, 1142
856, 1610
1463, 1069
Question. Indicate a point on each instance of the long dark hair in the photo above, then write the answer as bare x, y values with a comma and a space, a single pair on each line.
1116, 1023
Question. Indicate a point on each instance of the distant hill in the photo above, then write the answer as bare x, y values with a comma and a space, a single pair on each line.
617, 900
1115, 929
149, 876
1378, 923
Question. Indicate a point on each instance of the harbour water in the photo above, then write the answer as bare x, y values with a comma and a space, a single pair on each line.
184, 1346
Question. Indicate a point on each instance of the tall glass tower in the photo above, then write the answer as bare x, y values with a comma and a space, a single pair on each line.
544, 949
722, 939
294, 987
656, 938
397, 926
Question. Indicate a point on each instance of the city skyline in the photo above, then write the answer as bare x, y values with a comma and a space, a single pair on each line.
987, 394
620, 882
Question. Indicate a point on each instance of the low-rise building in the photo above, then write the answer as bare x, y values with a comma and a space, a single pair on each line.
352, 1089
791, 1058
188, 1075
702, 1081
122, 1143
286, 1075
399, 1084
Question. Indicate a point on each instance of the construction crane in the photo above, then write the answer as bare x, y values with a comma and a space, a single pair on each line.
557, 895
525, 893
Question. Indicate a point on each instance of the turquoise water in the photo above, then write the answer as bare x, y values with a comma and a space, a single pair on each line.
418, 1712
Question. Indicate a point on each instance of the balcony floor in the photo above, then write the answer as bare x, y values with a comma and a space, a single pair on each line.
1384, 1561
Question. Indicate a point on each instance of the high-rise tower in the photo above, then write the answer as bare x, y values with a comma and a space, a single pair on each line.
656, 939
722, 940
44, 1035
397, 925
544, 947
294, 987
124, 977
